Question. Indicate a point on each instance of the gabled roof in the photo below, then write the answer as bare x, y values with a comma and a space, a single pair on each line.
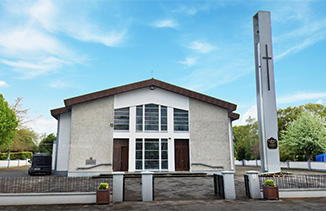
142, 84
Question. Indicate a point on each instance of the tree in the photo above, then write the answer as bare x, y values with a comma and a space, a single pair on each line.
306, 135
21, 114
246, 139
8, 123
47, 143
25, 140
289, 114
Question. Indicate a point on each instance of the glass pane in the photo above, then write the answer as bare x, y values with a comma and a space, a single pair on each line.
121, 119
139, 110
164, 165
152, 155
151, 127
139, 127
151, 164
181, 120
139, 146
139, 164
164, 146
164, 155
151, 146
139, 155
151, 117
139, 120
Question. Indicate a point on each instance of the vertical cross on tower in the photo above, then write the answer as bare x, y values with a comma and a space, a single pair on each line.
267, 58
266, 100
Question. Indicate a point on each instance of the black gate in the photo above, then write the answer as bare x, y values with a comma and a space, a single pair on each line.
219, 185
246, 180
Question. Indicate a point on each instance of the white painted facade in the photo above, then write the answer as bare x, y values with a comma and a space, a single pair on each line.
147, 96
61, 160
87, 132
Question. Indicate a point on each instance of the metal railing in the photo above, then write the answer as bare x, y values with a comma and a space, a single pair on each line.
297, 181
50, 184
219, 186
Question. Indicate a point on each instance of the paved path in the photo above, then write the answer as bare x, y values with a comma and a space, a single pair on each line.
288, 204
188, 193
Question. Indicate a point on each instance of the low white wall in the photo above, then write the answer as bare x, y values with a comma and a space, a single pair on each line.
321, 166
47, 198
13, 163
283, 165
298, 165
318, 166
308, 193
238, 162
251, 163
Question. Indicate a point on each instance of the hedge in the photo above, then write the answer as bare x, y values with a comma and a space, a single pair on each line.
16, 155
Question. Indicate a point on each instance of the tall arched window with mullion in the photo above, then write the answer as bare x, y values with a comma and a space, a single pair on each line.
164, 118
139, 118
151, 117
121, 119
181, 120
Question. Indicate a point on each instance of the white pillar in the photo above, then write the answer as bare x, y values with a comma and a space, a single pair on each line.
117, 186
147, 186
254, 188
228, 182
265, 88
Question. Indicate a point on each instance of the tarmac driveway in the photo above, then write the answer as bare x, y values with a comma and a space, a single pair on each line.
21, 171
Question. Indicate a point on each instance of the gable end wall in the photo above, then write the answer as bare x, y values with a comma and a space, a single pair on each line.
209, 134
91, 134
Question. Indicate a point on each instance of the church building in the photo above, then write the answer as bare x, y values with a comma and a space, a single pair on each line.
145, 126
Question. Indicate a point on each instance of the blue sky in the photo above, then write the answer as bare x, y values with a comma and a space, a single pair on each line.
54, 50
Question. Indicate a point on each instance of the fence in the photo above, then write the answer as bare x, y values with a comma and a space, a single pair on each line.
50, 184
306, 165
297, 181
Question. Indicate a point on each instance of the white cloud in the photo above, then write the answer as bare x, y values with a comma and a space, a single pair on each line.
210, 76
251, 112
189, 62
167, 23
30, 36
3, 84
109, 39
41, 125
59, 84
320, 101
308, 33
185, 10
300, 97
201, 47
32, 69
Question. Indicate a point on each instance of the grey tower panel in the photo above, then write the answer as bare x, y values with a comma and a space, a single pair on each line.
265, 87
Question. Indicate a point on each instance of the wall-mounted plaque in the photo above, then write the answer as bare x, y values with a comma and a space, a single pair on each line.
91, 161
272, 143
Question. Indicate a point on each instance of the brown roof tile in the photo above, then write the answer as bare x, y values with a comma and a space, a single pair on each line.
147, 83
58, 111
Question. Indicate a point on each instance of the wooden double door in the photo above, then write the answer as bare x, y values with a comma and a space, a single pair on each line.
120, 154
181, 148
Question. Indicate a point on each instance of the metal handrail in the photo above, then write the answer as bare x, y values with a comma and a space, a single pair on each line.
90, 167
203, 164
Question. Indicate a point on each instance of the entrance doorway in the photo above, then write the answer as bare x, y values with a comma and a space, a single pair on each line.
120, 154
181, 147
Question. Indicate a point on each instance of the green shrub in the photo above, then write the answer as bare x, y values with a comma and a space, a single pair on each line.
269, 183
103, 186
17, 155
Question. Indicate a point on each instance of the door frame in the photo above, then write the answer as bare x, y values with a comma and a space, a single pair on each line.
188, 154
118, 144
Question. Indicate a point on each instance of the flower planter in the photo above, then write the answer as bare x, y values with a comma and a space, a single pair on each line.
270, 192
103, 196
